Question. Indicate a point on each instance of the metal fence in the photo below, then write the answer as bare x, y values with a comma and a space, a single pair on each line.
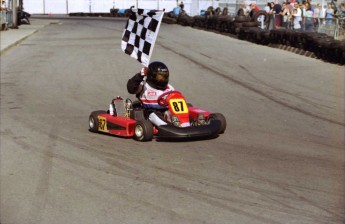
334, 27
3, 20
6, 19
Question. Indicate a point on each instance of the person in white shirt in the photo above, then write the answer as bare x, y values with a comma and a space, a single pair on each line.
3, 6
297, 18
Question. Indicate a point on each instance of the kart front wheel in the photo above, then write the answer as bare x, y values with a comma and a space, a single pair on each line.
221, 118
143, 131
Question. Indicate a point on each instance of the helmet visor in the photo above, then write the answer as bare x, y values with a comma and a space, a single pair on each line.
162, 77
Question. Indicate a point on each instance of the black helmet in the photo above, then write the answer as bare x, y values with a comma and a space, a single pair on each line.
158, 75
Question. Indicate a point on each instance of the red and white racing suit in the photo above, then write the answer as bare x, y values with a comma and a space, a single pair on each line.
148, 96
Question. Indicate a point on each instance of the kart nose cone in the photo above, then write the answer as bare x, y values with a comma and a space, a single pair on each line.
192, 132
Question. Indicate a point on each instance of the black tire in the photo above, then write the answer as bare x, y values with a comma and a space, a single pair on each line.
221, 118
169, 20
261, 13
93, 120
250, 24
143, 131
252, 14
240, 12
241, 19
223, 27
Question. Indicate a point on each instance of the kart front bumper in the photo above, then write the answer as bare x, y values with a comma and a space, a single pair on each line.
193, 132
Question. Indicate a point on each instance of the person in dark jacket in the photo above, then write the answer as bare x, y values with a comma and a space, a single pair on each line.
277, 8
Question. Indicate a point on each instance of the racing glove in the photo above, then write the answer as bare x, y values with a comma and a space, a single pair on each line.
143, 71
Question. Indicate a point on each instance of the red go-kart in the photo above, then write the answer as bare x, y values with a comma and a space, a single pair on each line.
185, 121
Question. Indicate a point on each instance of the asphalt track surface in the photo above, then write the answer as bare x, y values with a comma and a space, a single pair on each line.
280, 160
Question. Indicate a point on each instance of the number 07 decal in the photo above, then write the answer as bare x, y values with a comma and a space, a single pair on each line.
178, 106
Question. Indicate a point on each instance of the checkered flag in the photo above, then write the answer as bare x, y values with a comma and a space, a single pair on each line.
140, 34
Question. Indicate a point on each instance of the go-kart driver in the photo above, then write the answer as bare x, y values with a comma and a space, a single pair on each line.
150, 83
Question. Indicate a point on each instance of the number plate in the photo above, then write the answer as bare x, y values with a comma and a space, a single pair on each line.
178, 106
102, 124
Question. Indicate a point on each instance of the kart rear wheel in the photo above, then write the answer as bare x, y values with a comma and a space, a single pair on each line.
93, 120
221, 118
143, 131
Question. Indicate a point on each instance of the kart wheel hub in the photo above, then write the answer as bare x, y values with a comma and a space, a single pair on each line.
139, 131
91, 123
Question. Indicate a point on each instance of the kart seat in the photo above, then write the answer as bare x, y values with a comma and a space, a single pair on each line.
136, 104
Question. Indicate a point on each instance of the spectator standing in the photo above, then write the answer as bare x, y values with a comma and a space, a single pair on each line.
218, 11
270, 14
177, 10
268, 7
3, 19
271, 6
297, 17
3, 6
276, 10
285, 13
309, 19
246, 9
302, 8
323, 12
225, 11
253, 9
317, 15
308, 5
182, 6
210, 11
329, 13
341, 10
318, 11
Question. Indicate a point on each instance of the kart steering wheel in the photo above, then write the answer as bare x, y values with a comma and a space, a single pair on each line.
162, 98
